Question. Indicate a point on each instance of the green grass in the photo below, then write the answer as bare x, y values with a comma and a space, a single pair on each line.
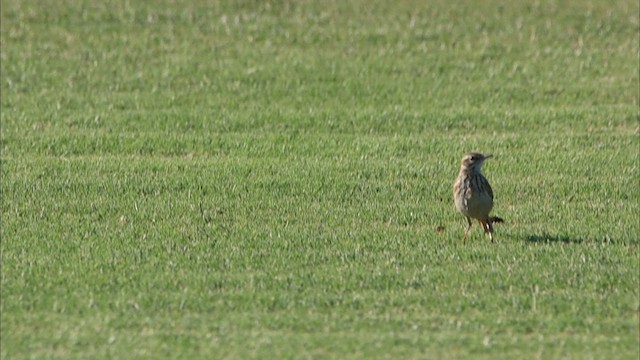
254, 179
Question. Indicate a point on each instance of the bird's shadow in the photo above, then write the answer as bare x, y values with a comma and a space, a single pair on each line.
547, 238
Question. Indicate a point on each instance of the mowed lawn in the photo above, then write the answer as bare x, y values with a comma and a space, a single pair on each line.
272, 179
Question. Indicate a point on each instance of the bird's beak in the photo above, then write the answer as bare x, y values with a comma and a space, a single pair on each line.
487, 156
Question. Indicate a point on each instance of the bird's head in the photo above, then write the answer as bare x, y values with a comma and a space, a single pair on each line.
473, 161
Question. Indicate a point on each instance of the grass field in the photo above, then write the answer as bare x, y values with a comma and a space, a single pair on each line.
272, 179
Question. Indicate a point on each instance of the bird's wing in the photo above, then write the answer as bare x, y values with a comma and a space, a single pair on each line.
489, 189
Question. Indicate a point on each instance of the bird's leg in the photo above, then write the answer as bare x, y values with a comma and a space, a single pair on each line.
483, 225
464, 238
488, 228
489, 225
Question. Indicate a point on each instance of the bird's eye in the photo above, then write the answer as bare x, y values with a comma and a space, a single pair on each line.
473, 158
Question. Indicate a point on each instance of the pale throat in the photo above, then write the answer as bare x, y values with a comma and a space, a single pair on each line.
475, 169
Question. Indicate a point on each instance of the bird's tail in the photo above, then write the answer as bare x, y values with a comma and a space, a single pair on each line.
489, 225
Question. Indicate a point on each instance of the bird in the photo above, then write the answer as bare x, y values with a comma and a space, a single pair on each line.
473, 195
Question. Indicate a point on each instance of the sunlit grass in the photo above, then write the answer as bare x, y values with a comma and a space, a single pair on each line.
273, 179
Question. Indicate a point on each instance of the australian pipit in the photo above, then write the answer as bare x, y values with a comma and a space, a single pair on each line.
473, 195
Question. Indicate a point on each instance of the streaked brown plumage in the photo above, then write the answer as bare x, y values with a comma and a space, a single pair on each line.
473, 195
